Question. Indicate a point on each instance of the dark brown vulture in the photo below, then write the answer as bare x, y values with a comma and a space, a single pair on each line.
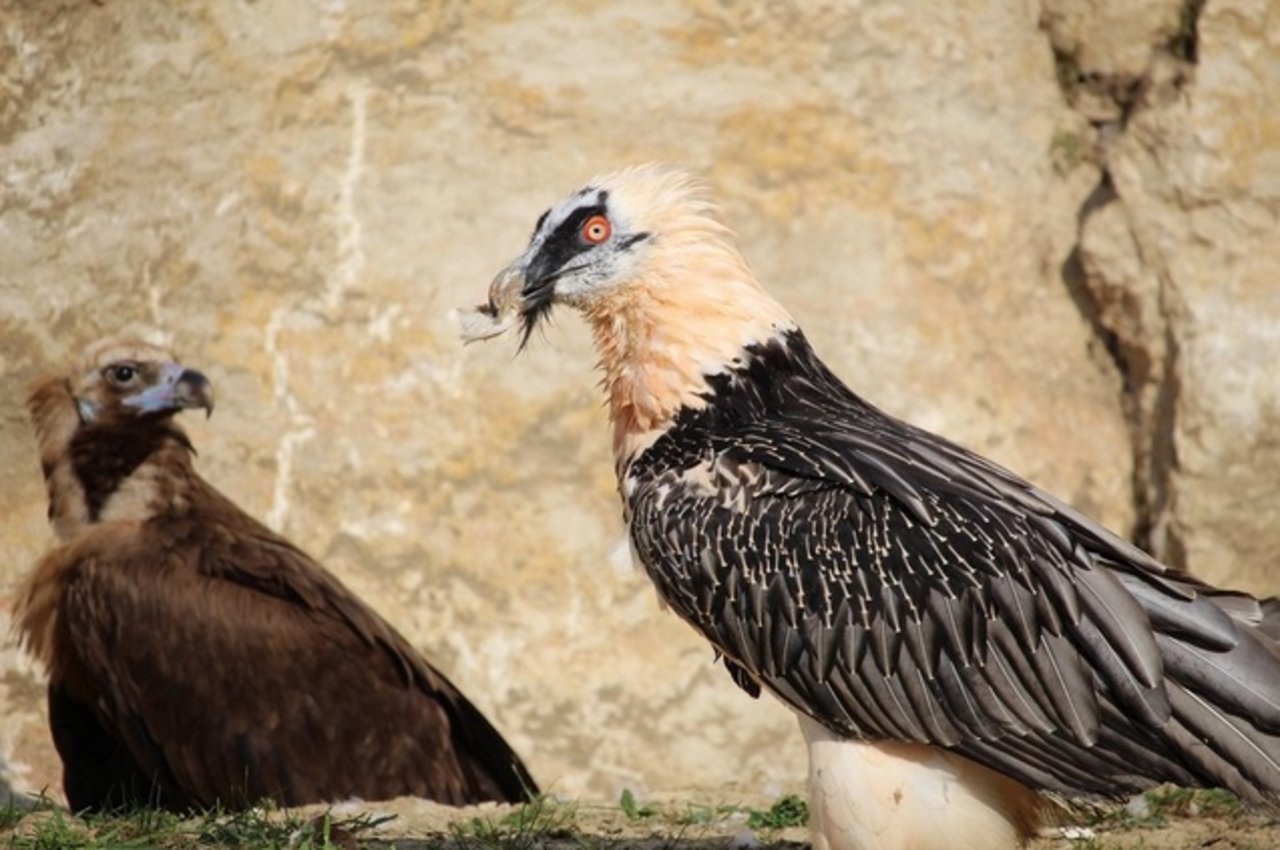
952, 638
198, 659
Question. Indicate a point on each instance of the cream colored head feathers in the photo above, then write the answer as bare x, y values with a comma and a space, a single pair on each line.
642, 254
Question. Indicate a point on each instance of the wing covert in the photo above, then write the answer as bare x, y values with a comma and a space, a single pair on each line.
897, 586
287, 686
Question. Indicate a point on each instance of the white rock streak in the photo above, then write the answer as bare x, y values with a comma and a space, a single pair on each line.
348, 267
333, 18
153, 295
300, 423
351, 258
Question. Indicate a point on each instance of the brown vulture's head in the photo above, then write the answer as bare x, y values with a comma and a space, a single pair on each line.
108, 418
122, 379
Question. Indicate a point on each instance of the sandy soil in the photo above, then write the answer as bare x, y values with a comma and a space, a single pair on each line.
677, 823
1171, 820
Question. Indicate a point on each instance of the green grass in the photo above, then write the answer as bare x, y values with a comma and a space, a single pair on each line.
527, 828
11, 815
789, 811
270, 830
51, 828
1169, 801
551, 824
1095, 843
1164, 811
700, 814
633, 810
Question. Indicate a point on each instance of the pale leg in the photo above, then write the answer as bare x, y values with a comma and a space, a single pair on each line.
889, 795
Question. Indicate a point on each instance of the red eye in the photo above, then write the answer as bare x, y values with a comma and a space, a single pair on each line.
596, 229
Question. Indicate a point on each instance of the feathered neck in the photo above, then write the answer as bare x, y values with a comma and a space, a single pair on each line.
688, 315
110, 472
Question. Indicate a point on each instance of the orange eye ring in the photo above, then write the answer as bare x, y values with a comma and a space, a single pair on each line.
596, 230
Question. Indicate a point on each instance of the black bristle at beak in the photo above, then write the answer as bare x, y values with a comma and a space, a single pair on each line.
538, 301
531, 318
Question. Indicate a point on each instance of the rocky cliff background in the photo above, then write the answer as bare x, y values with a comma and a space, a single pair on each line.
1049, 230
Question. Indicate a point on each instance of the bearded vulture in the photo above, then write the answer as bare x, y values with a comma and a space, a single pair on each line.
196, 658
953, 639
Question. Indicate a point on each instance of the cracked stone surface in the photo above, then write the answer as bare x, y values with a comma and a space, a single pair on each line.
300, 191
1182, 266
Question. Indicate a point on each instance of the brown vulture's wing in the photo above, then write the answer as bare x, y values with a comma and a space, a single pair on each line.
99, 773
234, 668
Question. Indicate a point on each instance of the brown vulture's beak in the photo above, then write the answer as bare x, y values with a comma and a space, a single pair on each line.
177, 388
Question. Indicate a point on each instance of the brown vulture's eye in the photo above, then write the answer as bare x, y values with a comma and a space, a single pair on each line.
122, 374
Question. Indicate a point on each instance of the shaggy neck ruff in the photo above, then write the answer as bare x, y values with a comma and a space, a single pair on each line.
690, 314
126, 471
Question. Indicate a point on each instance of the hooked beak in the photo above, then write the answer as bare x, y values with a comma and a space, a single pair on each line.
513, 298
179, 388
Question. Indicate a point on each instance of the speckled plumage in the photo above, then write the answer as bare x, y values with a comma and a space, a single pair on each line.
947, 632
893, 585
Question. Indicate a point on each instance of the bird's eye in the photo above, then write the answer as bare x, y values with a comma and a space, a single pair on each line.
596, 229
121, 374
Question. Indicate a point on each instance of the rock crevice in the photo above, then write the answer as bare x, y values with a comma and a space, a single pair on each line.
1109, 72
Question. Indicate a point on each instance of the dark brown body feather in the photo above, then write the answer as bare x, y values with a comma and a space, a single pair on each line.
198, 659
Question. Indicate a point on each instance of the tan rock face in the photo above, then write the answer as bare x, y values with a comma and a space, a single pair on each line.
1183, 265
302, 191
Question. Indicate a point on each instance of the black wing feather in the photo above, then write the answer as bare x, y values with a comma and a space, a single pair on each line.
893, 585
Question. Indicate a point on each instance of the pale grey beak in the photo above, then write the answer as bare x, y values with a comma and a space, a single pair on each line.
502, 311
179, 388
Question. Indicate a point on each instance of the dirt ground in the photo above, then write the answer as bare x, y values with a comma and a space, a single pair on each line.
1162, 820
676, 823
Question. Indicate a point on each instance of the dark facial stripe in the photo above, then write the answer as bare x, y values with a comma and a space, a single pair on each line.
564, 243
556, 257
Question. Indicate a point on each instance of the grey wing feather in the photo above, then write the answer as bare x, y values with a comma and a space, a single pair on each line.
897, 586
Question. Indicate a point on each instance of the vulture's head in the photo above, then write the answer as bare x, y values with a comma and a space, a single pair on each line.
641, 241
126, 386
108, 418
642, 254
122, 379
